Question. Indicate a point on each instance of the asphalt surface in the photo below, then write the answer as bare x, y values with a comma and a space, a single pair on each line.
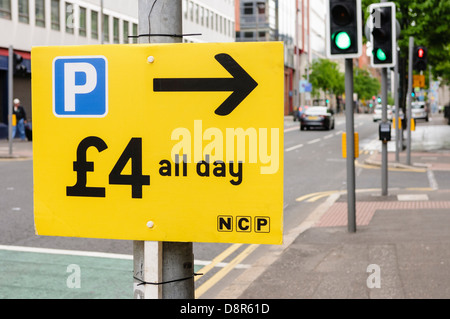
398, 251
400, 247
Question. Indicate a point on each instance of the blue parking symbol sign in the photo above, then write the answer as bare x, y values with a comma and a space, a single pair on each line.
80, 86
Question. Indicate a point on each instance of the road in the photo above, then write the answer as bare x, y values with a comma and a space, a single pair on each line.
313, 164
314, 167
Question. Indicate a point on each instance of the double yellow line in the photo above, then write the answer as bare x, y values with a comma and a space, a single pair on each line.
225, 270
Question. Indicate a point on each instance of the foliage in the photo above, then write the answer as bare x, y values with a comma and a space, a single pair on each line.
325, 76
365, 85
428, 22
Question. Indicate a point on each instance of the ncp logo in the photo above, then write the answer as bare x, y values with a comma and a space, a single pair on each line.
80, 86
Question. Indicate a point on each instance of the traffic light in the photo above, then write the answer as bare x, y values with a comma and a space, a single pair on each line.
344, 25
420, 58
383, 35
18, 66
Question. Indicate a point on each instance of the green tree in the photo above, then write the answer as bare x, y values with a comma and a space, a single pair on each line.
365, 85
428, 22
325, 76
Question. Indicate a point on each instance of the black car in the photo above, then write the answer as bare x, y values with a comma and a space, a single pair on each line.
299, 111
317, 116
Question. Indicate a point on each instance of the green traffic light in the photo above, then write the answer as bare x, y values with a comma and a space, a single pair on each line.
342, 40
381, 55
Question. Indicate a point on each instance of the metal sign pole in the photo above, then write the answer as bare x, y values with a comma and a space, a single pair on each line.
351, 213
167, 267
409, 98
10, 98
384, 157
397, 112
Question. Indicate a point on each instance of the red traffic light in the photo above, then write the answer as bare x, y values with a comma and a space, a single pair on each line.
420, 53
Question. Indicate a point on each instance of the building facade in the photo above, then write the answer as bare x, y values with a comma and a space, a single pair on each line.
214, 20
29, 23
287, 21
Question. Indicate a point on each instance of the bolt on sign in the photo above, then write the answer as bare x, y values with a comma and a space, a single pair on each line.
163, 142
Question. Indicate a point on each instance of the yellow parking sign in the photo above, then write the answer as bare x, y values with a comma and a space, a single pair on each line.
164, 142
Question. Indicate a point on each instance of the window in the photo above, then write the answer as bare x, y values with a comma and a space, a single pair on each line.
69, 18
261, 8
115, 30
54, 13
196, 13
135, 32
185, 7
202, 16
94, 24
191, 10
217, 21
105, 27
125, 32
248, 8
40, 13
5, 9
24, 11
82, 31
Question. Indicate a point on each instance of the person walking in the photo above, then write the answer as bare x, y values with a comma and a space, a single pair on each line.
21, 120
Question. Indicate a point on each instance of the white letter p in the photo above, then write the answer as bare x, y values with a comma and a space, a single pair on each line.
70, 87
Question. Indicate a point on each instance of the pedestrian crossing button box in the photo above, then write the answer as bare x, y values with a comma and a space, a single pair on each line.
385, 132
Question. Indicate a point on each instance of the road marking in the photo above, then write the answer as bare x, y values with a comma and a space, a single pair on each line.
324, 194
328, 136
313, 197
432, 180
290, 129
238, 286
208, 265
224, 271
218, 265
412, 197
219, 258
314, 141
293, 147
65, 252
393, 169
304, 197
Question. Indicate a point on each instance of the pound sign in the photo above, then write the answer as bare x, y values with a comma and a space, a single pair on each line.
81, 166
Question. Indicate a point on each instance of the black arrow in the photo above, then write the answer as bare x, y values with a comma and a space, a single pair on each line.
241, 84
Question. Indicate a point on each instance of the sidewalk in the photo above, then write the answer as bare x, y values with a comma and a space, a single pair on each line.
400, 249
20, 149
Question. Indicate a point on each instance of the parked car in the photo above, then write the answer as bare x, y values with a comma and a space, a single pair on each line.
317, 116
419, 111
300, 110
377, 113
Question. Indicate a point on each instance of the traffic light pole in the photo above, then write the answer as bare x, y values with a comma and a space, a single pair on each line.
384, 120
398, 131
162, 270
408, 101
350, 130
10, 97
